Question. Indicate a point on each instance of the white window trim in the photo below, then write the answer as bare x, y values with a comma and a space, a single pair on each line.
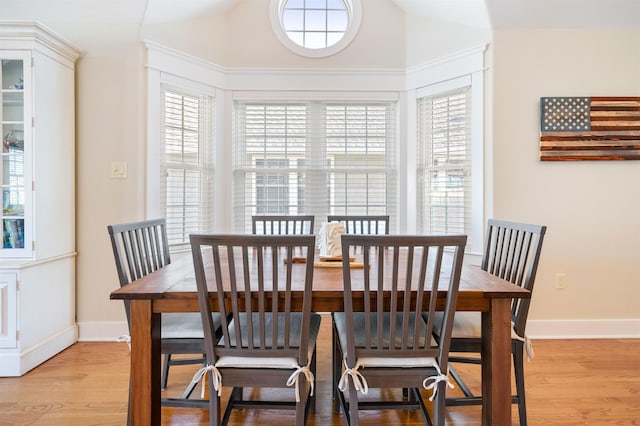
232, 83
167, 67
192, 169
355, 13
477, 151
320, 100
450, 72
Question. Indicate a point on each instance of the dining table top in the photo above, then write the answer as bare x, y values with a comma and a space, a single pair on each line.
176, 282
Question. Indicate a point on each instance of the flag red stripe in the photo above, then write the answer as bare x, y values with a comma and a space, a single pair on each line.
589, 147
614, 108
615, 118
587, 137
581, 157
615, 99
614, 128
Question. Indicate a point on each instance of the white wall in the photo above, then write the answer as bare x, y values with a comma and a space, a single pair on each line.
204, 38
592, 209
429, 40
243, 38
110, 127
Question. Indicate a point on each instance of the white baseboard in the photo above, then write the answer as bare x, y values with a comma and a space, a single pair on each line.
15, 363
536, 329
584, 329
106, 331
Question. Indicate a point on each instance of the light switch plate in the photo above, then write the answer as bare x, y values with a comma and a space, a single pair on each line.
119, 170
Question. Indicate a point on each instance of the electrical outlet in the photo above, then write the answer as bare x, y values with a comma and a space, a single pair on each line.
561, 280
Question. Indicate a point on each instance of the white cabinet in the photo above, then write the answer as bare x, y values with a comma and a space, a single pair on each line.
37, 178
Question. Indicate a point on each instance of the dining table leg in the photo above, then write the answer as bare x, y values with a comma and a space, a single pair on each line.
145, 364
496, 363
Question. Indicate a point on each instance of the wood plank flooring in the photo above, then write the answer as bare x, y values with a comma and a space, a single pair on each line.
569, 382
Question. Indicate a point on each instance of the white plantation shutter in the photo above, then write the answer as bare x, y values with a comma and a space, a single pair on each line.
186, 167
444, 163
314, 157
361, 140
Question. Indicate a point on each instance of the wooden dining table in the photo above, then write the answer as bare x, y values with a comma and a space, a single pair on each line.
173, 289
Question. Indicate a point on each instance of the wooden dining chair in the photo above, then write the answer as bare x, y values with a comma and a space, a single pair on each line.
363, 224
270, 339
512, 252
385, 343
282, 224
139, 248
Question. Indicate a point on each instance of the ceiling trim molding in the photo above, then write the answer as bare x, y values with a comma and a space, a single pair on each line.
448, 67
169, 60
34, 35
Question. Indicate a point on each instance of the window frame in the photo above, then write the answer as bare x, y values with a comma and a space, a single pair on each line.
475, 226
166, 67
444, 153
354, 11
319, 167
197, 214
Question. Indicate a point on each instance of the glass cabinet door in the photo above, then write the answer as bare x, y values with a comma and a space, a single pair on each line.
12, 119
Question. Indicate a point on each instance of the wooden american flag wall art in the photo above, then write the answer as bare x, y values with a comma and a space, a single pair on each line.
589, 128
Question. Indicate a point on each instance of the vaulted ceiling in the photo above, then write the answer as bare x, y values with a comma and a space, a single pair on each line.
494, 14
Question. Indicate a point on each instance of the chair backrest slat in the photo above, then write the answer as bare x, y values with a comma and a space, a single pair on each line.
254, 280
139, 248
512, 252
282, 224
363, 224
398, 272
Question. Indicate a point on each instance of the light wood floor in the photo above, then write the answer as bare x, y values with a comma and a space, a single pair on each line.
569, 382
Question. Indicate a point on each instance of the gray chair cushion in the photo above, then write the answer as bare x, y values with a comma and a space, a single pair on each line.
250, 361
359, 325
340, 321
465, 325
185, 325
